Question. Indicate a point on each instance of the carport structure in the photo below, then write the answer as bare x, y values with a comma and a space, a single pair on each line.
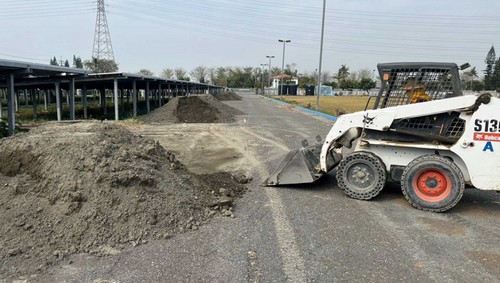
35, 79
11, 71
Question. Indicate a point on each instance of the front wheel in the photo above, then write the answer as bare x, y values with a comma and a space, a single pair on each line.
432, 183
362, 175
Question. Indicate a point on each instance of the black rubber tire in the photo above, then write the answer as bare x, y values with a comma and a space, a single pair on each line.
427, 164
370, 177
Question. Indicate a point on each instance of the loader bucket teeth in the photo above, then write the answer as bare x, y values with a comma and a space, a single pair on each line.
299, 166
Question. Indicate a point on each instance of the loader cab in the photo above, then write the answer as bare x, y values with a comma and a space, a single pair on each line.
406, 83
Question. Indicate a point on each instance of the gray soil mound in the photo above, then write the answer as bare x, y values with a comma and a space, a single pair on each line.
193, 109
96, 188
227, 96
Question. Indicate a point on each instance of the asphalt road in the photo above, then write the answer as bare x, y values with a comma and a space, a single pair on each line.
311, 233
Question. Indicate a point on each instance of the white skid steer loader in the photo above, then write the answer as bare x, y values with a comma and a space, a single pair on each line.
422, 132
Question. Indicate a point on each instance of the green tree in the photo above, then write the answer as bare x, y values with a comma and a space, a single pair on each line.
496, 76
101, 65
221, 76
348, 84
489, 80
53, 62
66, 64
366, 84
343, 73
477, 85
77, 62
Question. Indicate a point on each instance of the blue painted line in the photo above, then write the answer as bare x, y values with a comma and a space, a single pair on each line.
314, 112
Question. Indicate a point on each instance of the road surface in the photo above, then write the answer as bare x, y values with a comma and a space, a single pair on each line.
309, 233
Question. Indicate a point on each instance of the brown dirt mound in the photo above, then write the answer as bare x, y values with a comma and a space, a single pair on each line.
227, 96
96, 188
193, 109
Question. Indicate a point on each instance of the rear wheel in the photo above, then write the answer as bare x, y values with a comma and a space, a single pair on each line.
362, 175
433, 183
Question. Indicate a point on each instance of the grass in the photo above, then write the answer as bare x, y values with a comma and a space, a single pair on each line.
332, 105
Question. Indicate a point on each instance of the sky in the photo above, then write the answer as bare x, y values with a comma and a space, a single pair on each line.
159, 34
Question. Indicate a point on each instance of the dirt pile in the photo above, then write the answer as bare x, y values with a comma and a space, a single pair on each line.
96, 188
227, 96
193, 109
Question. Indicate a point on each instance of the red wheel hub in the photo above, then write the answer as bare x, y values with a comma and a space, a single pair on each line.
432, 185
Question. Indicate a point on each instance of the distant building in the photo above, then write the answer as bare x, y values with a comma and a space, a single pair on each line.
286, 79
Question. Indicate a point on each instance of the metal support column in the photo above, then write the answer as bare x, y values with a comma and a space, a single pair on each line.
148, 107
11, 115
117, 117
45, 94
84, 101
1, 99
58, 100
71, 94
134, 98
34, 98
104, 103
159, 95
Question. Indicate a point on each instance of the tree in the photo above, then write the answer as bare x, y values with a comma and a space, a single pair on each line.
146, 72
181, 74
221, 76
366, 84
200, 74
365, 74
53, 62
348, 84
477, 85
490, 67
470, 76
211, 75
167, 73
326, 77
66, 64
101, 65
496, 76
343, 73
77, 62
291, 69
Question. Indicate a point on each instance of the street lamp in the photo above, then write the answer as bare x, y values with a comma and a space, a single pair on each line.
270, 57
283, 64
262, 77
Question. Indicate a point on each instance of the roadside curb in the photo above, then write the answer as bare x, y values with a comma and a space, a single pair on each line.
314, 112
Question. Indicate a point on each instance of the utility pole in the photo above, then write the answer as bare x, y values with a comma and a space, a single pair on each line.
283, 65
262, 77
270, 57
321, 54
103, 48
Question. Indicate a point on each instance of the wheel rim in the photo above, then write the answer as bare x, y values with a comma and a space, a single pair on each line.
432, 185
361, 175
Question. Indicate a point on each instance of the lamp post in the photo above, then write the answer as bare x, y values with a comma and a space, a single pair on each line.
321, 54
262, 77
283, 64
270, 57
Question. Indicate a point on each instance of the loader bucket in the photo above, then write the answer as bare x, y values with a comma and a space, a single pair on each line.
299, 166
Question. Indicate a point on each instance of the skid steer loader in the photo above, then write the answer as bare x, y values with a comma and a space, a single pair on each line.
422, 132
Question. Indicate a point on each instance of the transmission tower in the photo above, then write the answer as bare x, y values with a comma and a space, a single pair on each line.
102, 40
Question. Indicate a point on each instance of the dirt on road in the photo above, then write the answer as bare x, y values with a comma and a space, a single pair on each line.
96, 188
227, 96
193, 109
